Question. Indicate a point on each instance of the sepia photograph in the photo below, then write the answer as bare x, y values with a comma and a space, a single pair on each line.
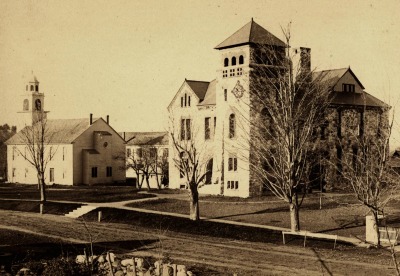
215, 137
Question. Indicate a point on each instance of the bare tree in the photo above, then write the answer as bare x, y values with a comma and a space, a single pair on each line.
159, 166
37, 140
287, 105
191, 161
365, 166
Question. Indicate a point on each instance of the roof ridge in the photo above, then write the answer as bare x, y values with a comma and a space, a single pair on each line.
197, 81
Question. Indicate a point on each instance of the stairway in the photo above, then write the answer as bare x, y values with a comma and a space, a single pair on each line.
80, 211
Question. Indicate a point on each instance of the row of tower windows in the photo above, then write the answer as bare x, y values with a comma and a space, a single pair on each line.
232, 72
233, 61
33, 88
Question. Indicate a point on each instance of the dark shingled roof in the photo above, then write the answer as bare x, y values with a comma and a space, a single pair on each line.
251, 33
334, 75
145, 138
331, 77
198, 87
62, 131
358, 99
210, 97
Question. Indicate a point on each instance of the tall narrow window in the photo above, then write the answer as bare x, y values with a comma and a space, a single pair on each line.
232, 163
226, 62
233, 61
26, 105
51, 174
31, 87
185, 100
188, 100
241, 60
51, 153
139, 152
232, 126
94, 172
215, 124
226, 94
183, 129
188, 131
128, 152
339, 166
109, 171
37, 88
153, 152
181, 101
63, 153
183, 164
361, 125
339, 124
207, 128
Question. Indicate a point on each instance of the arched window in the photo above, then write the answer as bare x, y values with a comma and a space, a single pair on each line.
232, 126
226, 62
241, 60
233, 61
38, 105
26, 105
37, 88
31, 87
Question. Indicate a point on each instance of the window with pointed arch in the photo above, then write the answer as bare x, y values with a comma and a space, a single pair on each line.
233, 61
226, 62
232, 126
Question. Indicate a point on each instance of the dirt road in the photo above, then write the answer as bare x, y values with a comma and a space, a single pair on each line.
214, 256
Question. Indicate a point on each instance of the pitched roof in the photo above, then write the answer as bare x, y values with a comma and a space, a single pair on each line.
62, 131
333, 76
251, 33
145, 138
357, 99
210, 96
198, 87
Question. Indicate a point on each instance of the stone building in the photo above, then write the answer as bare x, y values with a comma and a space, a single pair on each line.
79, 151
216, 115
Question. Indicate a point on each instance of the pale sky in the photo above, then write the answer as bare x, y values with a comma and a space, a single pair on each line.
127, 59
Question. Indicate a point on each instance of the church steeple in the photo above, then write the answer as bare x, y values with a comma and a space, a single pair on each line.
32, 103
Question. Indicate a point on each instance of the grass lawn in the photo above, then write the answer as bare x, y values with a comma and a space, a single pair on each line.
53, 208
73, 193
340, 214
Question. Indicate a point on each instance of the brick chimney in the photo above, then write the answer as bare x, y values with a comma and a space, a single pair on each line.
108, 119
91, 118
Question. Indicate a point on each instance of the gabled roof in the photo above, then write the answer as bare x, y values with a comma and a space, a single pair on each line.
146, 138
198, 87
251, 33
62, 131
210, 96
333, 76
357, 99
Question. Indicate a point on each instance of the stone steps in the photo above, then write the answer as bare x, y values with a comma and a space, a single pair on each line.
80, 211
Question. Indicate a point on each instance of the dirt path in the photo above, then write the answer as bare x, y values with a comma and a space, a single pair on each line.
223, 256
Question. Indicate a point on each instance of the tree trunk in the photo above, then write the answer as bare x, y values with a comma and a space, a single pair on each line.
147, 182
375, 213
42, 186
141, 182
138, 181
294, 217
194, 205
